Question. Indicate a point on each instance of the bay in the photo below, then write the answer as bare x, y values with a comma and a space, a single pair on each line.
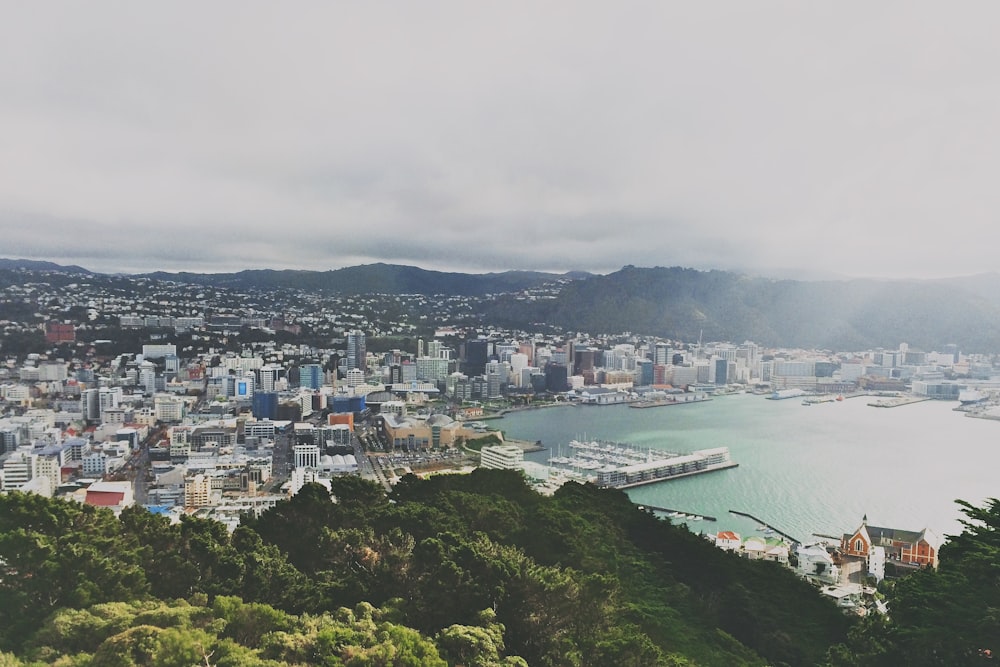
802, 469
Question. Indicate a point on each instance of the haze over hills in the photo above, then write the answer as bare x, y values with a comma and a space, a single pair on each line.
675, 302
374, 278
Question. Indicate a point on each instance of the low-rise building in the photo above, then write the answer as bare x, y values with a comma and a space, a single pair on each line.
909, 547
503, 457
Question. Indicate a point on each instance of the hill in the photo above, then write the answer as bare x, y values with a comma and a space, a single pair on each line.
686, 304
477, 569
677, 303
34, 265
373, 279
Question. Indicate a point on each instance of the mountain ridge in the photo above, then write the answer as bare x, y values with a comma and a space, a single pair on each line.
671, 302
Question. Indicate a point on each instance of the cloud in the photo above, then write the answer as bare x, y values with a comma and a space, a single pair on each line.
852, 138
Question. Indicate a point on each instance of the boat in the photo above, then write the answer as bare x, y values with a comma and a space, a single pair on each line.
782, 394
971, 397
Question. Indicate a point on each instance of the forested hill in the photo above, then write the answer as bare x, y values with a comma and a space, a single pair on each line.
374, 279
677, 303
472, 570
461, 569
686, 304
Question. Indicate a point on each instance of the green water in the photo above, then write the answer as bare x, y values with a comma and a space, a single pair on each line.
803, 469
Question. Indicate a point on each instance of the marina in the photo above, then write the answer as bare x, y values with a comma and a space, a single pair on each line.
621, 466
793, 461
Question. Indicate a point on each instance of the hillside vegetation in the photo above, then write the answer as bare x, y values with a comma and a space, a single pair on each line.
462, 570
473, 570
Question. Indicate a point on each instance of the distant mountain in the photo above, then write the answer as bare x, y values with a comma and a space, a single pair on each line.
985, 285
373, 278
675, 302
687, 304
34, 265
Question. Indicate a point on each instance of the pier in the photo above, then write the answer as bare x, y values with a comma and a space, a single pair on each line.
898, 401
667, 510
761, 522
622, 466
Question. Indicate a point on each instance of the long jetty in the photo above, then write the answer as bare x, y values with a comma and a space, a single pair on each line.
766, 525
669, 511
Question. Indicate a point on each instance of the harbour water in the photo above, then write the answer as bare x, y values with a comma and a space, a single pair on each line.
802, 469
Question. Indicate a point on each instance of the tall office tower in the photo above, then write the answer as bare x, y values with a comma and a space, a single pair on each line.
527, 349
661, 354
269, 377
420, 348
310, 376
147, 377
476, 355
356, 351
505, 350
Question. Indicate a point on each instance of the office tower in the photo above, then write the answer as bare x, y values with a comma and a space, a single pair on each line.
356, 351
476, 355
310, 376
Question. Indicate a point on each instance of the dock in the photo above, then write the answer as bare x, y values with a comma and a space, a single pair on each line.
898, 401
761, 522
667, 510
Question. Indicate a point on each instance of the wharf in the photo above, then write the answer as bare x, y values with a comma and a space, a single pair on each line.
897, 401
677, 513
676, 475
663, 402
623, 466
525, 445
766, 525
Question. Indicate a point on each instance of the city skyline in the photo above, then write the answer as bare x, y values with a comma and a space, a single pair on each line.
792, 141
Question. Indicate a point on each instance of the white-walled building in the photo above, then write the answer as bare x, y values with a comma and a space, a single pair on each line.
504, 457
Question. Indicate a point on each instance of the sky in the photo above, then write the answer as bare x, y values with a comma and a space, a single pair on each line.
804, 139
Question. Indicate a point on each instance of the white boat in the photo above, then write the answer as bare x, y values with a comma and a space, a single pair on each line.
971, 397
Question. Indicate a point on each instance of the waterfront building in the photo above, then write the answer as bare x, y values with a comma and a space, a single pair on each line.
727, 540
909, 547
503, 457
816, 562
946, 391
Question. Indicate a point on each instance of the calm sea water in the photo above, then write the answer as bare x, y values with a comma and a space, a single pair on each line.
803, 469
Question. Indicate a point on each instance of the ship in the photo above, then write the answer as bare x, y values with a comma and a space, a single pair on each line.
971, 397
782, 394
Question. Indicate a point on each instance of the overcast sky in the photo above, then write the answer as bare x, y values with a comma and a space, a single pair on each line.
850, 138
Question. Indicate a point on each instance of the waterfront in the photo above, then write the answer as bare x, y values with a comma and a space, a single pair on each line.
803, 469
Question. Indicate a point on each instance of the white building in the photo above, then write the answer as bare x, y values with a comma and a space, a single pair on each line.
306, 456
167, 408
17, 470
815, 562
503, 457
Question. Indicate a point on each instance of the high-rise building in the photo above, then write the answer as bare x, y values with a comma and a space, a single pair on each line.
269, 377
147, 377
311, 376
476, 356
357, 351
